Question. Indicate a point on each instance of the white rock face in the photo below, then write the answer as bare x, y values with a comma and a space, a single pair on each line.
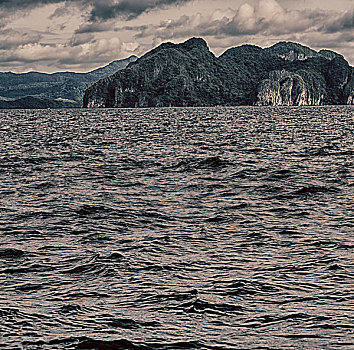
294, 56
349, 92
283, 88
350, 100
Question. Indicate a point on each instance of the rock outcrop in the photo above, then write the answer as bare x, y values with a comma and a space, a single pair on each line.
340, 78
349, 92
188, 74
283, 88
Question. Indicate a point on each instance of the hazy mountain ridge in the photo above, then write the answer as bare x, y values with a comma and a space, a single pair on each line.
51, 90
188, 74
36, 103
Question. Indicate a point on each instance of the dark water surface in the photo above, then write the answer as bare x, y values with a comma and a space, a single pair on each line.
209, 228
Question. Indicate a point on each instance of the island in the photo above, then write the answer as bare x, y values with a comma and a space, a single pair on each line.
189, 74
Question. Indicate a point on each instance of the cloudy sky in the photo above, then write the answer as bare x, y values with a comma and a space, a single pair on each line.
80, 35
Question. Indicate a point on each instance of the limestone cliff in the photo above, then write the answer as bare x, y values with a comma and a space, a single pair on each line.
340, 81
283, 88
349, 92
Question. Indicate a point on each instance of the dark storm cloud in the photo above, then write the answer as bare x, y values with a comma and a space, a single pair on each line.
107, 9
11, 39
343, 22
100, 10
82, 38
17, 5
94, 27
60, 12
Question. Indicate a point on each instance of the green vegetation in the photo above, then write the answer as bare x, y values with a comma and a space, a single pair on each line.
188, 74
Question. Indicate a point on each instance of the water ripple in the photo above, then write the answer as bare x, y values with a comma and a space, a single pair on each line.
177, 228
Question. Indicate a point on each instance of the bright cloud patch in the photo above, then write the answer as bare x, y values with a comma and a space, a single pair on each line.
93, 53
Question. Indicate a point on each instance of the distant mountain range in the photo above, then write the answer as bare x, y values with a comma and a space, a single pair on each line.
57, 90
188, 74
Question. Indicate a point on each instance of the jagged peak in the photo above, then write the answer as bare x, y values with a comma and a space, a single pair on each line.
163, 46
188, 44
193, 43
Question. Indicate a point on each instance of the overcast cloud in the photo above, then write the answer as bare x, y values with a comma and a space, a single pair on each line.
53, 35
266, 18
99, 9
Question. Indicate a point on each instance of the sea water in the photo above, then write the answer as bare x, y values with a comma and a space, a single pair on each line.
177, 228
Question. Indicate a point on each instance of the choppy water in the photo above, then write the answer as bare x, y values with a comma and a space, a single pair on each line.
211, 228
